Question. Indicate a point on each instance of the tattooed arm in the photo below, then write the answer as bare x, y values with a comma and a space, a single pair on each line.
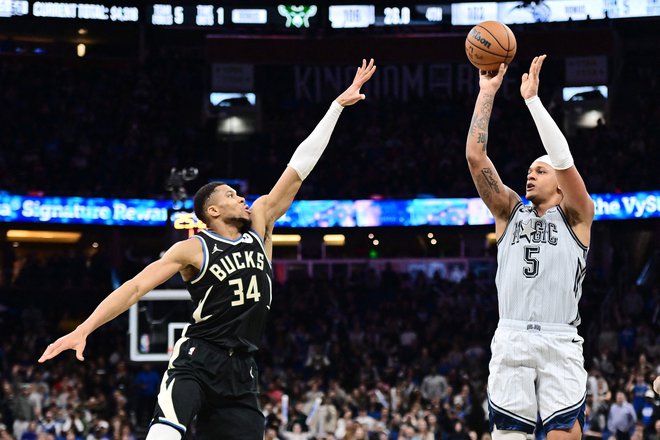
499, 198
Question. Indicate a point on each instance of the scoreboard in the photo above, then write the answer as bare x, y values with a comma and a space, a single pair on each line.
295, 16
362, 16
273, 17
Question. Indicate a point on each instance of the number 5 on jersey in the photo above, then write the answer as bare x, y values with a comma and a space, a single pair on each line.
252, 291
532, 269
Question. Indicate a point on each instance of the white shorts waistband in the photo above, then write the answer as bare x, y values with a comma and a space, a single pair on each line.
545, 327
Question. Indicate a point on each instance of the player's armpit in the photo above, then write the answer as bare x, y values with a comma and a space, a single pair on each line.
261, 223
576, 203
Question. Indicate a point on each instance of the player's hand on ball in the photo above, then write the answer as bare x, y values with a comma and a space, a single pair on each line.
491, 81
73, 341
529, 86
656, 385
352, 94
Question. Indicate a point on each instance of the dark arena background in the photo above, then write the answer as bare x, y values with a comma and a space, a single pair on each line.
114, 113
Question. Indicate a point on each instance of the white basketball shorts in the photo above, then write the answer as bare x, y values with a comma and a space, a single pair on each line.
537, 377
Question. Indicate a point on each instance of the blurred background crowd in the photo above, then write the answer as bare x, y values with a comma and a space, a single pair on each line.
119, 130
375, 356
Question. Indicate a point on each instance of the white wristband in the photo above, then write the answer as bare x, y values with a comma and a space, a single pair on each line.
310, 150
553, 139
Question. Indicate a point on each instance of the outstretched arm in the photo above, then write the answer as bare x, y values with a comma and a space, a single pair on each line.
499, 199
174, 260
277, 202
576, 202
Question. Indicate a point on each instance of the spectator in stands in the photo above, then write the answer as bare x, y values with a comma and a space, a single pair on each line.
296, 433
622, 418
655, 434
49, 425
21, 407
434, 387
637, 387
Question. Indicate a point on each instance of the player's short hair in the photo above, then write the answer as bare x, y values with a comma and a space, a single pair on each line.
201, 197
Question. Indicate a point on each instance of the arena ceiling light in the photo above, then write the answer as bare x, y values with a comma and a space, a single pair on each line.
334, 239
286, 239
21, 235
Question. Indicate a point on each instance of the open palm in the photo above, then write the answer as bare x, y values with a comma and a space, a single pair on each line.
352, 94
529, 86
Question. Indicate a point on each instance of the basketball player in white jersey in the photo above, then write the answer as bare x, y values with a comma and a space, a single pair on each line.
212, 374
537, 375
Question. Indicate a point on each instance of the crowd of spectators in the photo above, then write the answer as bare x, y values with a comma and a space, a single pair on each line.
117, 130
102, 129
376, 356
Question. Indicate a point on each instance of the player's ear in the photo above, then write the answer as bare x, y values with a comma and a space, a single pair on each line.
212, 211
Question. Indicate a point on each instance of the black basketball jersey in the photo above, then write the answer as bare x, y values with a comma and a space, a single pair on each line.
232, 292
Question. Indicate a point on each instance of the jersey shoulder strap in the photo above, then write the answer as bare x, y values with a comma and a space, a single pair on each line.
212, 245
517, 207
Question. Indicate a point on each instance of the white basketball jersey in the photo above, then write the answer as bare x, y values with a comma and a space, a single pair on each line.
540, 268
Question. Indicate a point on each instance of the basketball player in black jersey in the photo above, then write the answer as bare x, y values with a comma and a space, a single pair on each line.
228, 273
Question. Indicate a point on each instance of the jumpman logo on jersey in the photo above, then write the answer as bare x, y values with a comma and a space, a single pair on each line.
215, 249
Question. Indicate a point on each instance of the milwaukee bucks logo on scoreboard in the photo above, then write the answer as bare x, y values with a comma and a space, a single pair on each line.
297, 16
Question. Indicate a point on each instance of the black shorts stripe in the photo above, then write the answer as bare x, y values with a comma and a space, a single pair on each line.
510, 414
567, 409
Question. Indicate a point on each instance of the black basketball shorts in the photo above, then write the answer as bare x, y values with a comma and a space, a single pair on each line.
218, 386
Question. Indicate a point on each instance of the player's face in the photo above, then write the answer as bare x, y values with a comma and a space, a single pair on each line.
228, 205
541, 182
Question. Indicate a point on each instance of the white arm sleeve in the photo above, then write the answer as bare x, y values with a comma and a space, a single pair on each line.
310, 150
553, 139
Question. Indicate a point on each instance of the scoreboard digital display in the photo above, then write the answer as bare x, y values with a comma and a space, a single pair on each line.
283, 17
518, 12
413, 15
365, 15
163, 14
213, 15
296, 16
14, 8
65, 10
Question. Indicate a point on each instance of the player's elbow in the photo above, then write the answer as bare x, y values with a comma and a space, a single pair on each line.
135, 290
474, 159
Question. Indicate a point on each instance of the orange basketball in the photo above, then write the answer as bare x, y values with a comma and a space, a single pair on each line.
489, 44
